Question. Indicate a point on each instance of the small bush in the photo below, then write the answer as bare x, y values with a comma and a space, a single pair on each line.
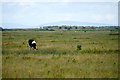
74, 60
79, 47
51, 30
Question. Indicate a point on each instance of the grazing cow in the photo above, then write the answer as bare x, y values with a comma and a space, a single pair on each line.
32, 44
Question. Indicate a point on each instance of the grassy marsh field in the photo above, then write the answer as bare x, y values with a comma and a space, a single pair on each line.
57, 55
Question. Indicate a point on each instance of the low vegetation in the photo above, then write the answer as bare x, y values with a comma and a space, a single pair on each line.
60, 54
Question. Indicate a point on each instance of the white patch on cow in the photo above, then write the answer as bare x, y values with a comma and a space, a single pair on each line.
33, 42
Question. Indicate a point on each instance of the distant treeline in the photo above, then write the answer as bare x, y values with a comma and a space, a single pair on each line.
53, 28
81, 27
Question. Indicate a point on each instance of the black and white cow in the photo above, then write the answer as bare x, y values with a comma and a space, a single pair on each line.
32, 44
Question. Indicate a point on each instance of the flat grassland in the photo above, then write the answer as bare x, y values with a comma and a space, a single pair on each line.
57, 55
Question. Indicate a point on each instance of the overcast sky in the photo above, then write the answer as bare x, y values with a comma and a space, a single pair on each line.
36, 13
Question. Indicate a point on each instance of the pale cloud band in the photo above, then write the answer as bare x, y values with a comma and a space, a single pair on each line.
59, 0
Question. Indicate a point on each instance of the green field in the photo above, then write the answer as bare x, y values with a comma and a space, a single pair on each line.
57, 55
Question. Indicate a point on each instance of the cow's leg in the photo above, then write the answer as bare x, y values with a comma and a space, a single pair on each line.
29, 47
35, 49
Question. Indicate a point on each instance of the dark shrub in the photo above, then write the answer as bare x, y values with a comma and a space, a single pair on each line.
51, 30
79, 47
